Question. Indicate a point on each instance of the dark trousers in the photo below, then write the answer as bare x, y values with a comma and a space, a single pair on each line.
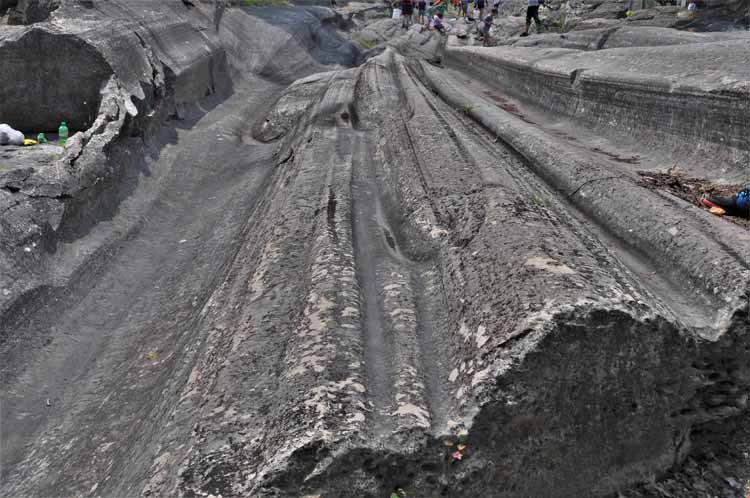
532, 12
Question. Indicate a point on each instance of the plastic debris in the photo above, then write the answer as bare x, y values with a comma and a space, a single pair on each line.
48, 402
717, 211
9, 136
41, 138
461, 447
63, 133
151, 356
29, 141
448, 442
457, 455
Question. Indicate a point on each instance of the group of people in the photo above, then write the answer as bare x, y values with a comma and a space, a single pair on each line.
431, 15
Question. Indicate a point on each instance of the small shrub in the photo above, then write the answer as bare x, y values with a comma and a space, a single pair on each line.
364, 42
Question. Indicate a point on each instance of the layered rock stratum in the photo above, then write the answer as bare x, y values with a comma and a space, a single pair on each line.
300, 251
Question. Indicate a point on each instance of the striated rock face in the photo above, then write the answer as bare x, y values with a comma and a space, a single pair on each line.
119, 69
658, 103
278, 269
431, 314
623, 37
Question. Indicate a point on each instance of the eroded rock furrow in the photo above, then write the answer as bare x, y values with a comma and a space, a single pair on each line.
282, 270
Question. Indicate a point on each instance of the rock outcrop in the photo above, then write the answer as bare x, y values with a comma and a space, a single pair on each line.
30, 11
294, 268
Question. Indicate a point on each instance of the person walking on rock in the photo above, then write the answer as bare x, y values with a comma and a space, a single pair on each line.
407, 10
219, 8
484, 29
532, 12
421, 9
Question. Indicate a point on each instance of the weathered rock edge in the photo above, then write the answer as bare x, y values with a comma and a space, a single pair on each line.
642, 97
152, 59
577, 398
638, 217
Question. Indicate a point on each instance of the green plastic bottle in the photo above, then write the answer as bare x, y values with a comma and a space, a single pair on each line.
41, 138
63, 133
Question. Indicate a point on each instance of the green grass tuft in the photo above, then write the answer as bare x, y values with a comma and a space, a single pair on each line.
364, 42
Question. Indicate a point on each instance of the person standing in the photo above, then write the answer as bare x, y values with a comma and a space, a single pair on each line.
407, 10
464, 8
532, 12
219, 8
485, 27
692, 10
421, 9
480, 5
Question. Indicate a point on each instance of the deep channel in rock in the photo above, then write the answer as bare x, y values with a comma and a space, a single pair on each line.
278, 264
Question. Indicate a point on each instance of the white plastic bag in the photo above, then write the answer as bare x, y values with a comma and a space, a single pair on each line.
9, 136
397, 13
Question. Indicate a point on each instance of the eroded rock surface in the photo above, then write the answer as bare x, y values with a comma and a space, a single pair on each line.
300, 268
66, 86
